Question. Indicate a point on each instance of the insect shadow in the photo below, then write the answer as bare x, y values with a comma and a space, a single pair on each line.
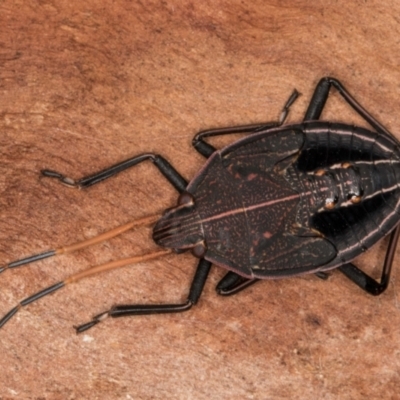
284, 200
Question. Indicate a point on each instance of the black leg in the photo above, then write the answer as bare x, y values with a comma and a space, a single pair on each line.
367, 283
80, 275
233, 283
196, 289
322, 275
206, 149
321, 95
177, 181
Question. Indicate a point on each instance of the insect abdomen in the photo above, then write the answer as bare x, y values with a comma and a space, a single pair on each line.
357, 222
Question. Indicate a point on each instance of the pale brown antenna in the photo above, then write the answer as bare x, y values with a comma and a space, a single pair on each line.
91, 271
80, 275
85, 243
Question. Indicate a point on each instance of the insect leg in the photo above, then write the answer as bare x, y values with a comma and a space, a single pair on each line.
177, 181
206, 149
80, 275
367, 283
233, 283
322, 275
320, 97
196, 289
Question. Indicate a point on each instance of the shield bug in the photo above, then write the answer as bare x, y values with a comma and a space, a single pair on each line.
284, 200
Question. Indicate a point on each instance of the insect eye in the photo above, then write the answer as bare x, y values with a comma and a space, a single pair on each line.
199, 249
186, 199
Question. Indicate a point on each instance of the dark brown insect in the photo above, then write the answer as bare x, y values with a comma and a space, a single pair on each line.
282, 201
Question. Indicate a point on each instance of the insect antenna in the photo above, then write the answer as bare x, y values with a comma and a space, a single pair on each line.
81, 245
80, 275
91, 271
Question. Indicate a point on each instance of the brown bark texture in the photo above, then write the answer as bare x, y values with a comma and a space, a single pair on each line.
84, 85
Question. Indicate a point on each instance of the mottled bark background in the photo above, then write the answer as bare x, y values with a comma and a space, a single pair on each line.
84, 85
